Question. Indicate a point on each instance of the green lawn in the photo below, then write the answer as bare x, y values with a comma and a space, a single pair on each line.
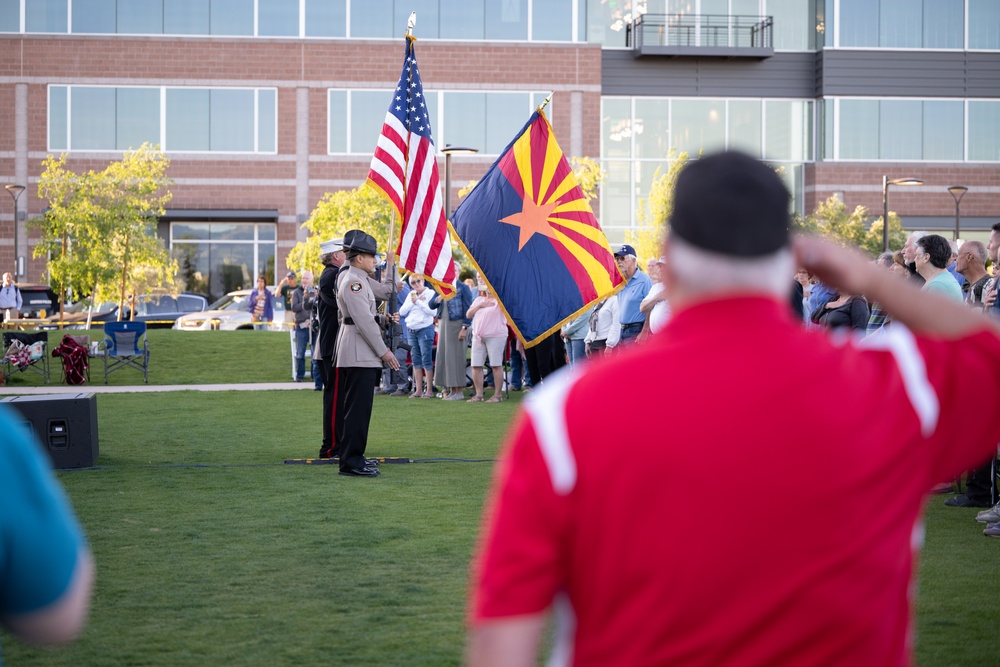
212, 551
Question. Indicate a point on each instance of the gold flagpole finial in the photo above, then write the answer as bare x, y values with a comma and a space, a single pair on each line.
545, 103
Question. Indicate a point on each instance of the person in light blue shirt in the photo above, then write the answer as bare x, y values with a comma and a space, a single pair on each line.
637, 286
932, 256
46, 570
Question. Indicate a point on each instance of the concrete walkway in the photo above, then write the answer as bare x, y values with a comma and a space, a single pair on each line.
144, 388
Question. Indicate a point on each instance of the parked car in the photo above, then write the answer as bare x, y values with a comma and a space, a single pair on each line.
37, 300
158, 311
231, 312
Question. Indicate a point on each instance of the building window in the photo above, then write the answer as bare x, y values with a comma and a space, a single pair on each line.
984, 131
216, 258
638, 134
225, 120
984, 24
487, 121
894, 129
904, 24
549, 20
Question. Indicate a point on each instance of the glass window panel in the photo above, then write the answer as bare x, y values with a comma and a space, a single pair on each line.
899, 25
193, 270
807, 138
368, 109
901, 125
745, 126
57, 118
232, 17
140, 17
581, 21
859, 129
826, 119
507, 19
465, 120
278, 18
10, 15
984, 24
336, 121
616, 195
793, 176
189, 231
232, 267
645, 173
266, 232
536, 101
222, 231
794, 23
698, 125
944, 24
427, 17
506, 114
944, 130
232, 124
652, 128
92, 118
186, 17
461, 19
138, 117
616, 127
326, 18
46, 16
606, 22
94, 16
858, 23
779, 128
374, 21
552, 20
431, 100
984, 131
187, 119
267, 110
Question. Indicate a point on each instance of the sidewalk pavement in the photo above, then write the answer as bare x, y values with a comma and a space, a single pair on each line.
145, 388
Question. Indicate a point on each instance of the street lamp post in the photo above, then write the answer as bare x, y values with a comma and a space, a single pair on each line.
886, 182
448, 151
957, 192
15, 192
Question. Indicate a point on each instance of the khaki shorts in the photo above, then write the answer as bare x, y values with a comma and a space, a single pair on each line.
487, 347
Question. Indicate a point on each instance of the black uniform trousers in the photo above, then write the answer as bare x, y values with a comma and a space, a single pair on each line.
328, 372
356, 389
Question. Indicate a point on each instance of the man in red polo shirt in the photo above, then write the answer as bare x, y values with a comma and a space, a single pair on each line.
598, 508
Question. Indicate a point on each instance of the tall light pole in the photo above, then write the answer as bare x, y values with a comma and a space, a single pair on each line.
886, 182
957, 192
15, 192
448, 151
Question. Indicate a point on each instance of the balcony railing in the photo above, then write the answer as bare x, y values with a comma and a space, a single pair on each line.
714, 35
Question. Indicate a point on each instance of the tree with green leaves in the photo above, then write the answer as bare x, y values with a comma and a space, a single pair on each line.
654, 211
100, 228
337, 212
832, 220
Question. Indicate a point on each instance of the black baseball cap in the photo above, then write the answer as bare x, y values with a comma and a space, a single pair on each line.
732, 204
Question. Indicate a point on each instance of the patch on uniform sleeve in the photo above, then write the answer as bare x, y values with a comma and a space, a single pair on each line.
356, 286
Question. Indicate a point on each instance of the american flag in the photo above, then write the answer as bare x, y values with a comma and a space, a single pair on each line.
404, 169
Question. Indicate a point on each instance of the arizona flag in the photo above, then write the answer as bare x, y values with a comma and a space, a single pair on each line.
531, 233
404, 169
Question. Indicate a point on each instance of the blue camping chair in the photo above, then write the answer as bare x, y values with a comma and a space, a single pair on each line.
124, 346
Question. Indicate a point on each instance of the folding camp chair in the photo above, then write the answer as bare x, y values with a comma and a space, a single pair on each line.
124, 346
32, 356
76, 363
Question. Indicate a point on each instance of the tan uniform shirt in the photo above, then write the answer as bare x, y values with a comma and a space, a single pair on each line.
360, 344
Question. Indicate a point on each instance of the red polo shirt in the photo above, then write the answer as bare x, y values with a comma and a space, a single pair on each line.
737, 491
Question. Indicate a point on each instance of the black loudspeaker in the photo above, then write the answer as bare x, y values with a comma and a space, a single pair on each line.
65, 425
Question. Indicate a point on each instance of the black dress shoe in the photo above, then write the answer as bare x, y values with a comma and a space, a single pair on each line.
963, 500
371, 463
359, 472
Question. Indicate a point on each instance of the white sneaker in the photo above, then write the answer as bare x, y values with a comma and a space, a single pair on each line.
992, 515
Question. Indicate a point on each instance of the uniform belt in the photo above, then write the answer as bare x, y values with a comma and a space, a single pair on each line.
632, 325
350, 320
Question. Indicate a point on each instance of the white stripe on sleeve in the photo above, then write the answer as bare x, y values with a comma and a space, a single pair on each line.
547, 409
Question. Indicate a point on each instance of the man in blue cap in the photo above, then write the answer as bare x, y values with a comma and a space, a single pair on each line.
637, 286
